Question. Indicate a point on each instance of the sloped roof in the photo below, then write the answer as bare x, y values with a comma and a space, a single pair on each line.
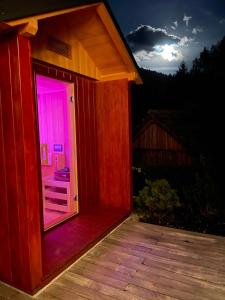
179, 124
16, 9
11, 10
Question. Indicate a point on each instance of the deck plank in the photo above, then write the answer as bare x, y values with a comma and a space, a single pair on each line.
143, 261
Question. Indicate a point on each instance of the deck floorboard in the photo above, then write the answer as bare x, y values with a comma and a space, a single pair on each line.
143, 261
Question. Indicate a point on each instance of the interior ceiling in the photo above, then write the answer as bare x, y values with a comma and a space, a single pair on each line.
87, 27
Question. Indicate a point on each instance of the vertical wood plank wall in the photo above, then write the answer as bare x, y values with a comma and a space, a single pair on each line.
5, 261
114, 143
154, 137
86, 143
154, 146
103, 149
20, 238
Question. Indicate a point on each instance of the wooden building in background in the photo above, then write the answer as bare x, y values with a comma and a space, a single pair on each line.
65, 134
162, 141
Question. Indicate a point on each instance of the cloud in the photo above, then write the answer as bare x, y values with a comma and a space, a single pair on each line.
186, 19
143, 55
156, 63
169, 52
145, 37
161, 53
174, 27
154, 47
184, 41
222, 21
197, 30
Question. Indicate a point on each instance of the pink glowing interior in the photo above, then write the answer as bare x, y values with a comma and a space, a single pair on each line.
52, 96
53, 121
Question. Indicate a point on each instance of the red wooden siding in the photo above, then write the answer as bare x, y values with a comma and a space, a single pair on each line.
102, 142
18, 157
5, 261
114, 155
103, 153
87, 144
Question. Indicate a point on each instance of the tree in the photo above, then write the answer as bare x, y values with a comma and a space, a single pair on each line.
202, 65
182, 70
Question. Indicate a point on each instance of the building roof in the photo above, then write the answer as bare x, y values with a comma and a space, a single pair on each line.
20, 9
180, 125
17, 9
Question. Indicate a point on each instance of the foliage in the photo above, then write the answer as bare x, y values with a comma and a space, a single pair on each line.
211, 61
157, 202
199, 92
200, 204
204, 208
182, 70
203, 84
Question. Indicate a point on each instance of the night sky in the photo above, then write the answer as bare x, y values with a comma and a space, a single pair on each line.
162, 33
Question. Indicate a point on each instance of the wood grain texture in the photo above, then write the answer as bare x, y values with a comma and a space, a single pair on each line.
5, 260
20, 164
97, 48
114, 143
133, 263
20, 227
154, 146
125, 265
104, 168
162, 157
80, 61
155, 137
86, 124
96, 216
94, 53
65, 243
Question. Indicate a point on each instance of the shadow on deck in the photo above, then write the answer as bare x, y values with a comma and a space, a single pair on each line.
143, 261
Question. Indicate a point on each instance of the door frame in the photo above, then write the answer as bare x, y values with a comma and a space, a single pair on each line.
72, 130
72, 114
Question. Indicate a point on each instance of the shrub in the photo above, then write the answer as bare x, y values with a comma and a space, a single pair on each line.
157, 202
203, 202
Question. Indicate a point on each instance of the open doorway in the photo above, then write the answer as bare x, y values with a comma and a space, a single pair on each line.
57, 135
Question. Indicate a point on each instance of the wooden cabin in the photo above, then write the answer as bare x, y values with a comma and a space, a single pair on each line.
65, 134
162, 141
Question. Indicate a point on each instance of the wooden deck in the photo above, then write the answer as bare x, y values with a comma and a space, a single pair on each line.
142, 261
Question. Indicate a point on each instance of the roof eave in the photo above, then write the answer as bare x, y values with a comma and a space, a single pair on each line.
130, 60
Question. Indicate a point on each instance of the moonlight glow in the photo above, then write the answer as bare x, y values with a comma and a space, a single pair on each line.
169, 52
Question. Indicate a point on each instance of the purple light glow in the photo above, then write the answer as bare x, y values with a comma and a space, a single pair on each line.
53, 119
